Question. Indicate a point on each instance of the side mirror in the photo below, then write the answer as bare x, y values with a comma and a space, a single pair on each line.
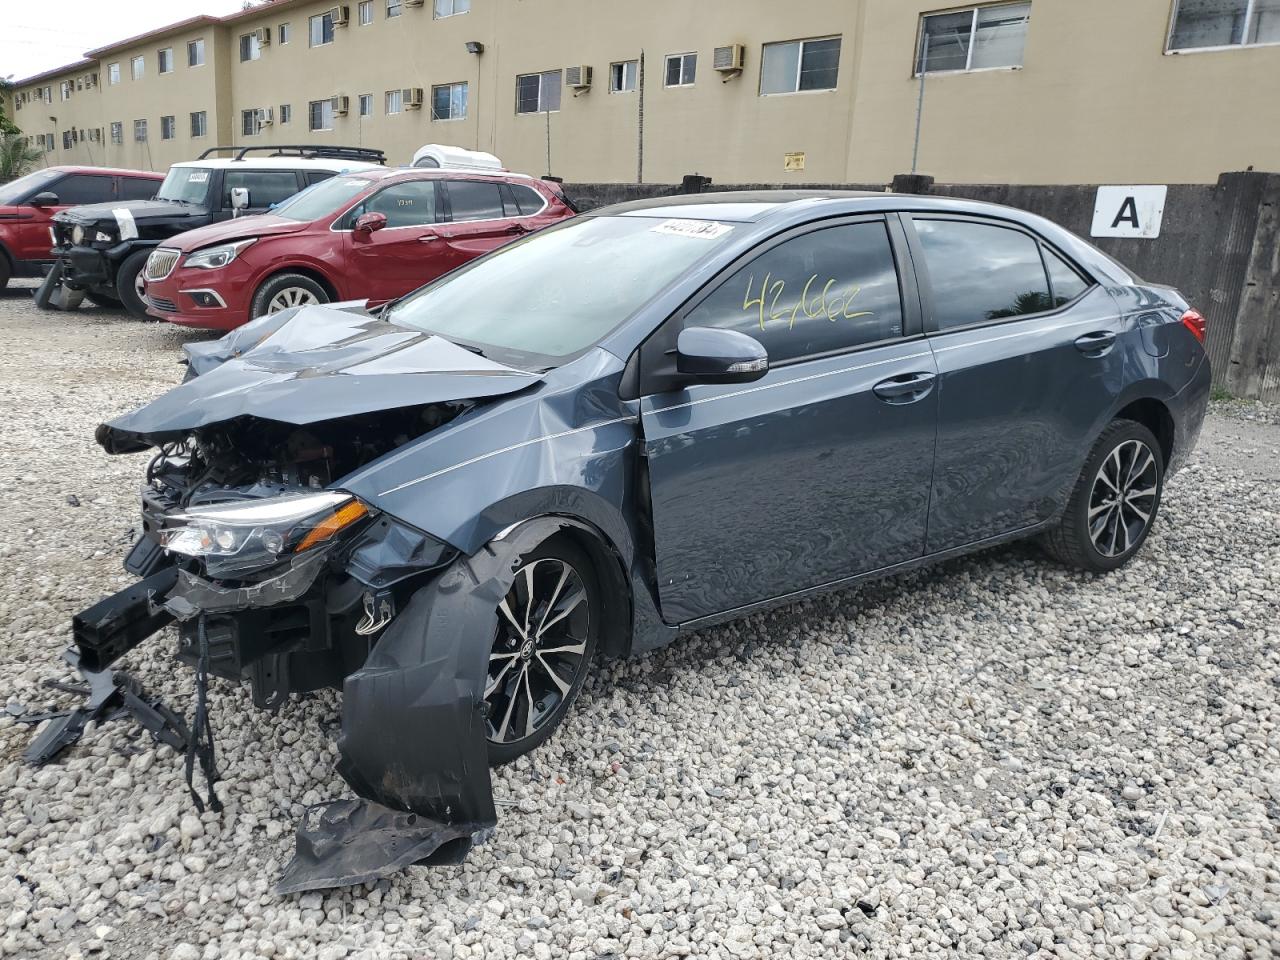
45, 199
713, 355
369, 222
239, 198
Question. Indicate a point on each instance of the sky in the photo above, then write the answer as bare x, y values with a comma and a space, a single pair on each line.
37, 36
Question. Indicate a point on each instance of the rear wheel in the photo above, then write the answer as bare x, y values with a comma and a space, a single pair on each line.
1114, 502
548, 625
286, 290
129, 284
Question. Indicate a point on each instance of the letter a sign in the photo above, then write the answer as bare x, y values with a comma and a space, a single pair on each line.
1128, 212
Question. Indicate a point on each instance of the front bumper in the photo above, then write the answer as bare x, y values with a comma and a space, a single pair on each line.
203, 299
85, 267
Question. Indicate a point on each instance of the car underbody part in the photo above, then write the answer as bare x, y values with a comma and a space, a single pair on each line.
200, 743
111, 694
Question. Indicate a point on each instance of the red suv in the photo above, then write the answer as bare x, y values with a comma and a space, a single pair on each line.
27, 206
373, 234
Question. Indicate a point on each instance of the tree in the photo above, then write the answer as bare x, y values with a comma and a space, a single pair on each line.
7, 126
16, 156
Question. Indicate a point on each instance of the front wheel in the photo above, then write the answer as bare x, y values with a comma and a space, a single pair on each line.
284, 291
1114, 503
129, 284
548, 625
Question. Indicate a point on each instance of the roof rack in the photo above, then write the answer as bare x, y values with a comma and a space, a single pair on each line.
305, 150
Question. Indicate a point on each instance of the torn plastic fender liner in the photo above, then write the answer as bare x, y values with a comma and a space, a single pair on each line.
413, 728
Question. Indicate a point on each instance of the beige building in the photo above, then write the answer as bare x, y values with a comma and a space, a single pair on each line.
743, 91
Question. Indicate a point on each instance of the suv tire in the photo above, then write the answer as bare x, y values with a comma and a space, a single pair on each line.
6, 271
1114, 503
127, 284
286, 290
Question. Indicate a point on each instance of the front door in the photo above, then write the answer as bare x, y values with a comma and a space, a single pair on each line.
821, 469
76, 189
1029, 366
390, 262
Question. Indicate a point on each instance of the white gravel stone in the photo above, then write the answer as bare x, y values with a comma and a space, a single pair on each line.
992, 758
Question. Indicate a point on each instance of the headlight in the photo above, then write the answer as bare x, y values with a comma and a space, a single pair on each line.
77, 235
213, 258
249, 535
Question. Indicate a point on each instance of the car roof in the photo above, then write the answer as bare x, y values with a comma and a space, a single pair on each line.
109, 171
283, 163
741, 206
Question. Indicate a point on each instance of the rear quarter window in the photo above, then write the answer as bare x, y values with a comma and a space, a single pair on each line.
136, 188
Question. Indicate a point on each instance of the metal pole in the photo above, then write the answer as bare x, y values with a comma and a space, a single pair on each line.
924, 64
640, 120
547, 113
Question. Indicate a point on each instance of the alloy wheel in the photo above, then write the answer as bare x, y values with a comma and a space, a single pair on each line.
291, 297
1123, 499
540, 649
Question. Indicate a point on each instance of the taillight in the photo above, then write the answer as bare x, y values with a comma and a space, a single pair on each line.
1194, 322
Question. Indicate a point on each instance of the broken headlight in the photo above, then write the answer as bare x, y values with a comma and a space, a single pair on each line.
214, 258
251, 535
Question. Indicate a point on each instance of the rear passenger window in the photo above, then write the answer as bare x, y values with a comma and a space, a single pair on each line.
317, 176
828, 290
979, 272
529, 200
1066, 283
475, 200
134, 188
84, 188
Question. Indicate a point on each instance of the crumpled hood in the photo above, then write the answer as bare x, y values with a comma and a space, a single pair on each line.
239, 228
319, 364
93, 213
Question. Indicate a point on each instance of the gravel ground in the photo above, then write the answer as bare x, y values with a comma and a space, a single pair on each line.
995, 757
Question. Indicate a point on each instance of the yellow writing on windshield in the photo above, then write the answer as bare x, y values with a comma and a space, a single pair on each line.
812, 302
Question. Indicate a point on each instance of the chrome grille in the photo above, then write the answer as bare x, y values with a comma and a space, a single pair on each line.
161, 263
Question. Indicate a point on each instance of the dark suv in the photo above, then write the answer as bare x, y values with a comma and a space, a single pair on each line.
28, 205
102, 247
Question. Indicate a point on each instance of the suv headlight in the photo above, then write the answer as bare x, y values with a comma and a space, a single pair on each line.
250, 535
214, 258
77, 235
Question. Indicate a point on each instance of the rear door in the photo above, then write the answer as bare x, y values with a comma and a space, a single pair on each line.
1029, 365
477, 219
266, 187
74, 190
821, 469
390, 262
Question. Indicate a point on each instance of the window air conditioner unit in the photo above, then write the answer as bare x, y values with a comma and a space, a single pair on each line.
579, 78
413, 3
411, 97
730, 58
266, 116
341, 104
341, 15
263, 36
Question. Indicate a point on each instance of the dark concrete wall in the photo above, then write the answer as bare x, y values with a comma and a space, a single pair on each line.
1219, 244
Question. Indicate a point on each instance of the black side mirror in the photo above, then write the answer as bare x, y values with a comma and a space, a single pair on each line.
45, 199
713, 355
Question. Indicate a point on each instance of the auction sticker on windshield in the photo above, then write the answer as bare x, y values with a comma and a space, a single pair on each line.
198, 176
701, 229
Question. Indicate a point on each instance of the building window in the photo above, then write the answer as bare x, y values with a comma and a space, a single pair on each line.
250, 49
393, 102
164, 60
137, 67
320, 114
1201, 24
250, 123
365, 13
168, 128
449, 101
394, 8
199, 124
113, 74
366, 104
140, 131
622, 76
980, 38
117, 131
286, 112
538, 92
799, 65
195, 53
320, 29
66, 139
285, 32
682, 68
64, 90
448, 8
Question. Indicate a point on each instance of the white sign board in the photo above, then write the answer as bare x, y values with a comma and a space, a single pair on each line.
1129, 211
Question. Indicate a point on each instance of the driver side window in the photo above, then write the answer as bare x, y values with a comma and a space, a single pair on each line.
824, 291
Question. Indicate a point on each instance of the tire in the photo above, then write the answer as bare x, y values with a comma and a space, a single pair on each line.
126, 284
103, 299
520, 663
1118, 527
6, 271
286, 290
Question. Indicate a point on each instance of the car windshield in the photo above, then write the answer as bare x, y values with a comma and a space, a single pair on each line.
185, 185
542, 300
321, 199
29, 185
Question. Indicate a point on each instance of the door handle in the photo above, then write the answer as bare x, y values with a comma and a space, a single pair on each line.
428, 238
905, 388
1095, 342
516, 229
